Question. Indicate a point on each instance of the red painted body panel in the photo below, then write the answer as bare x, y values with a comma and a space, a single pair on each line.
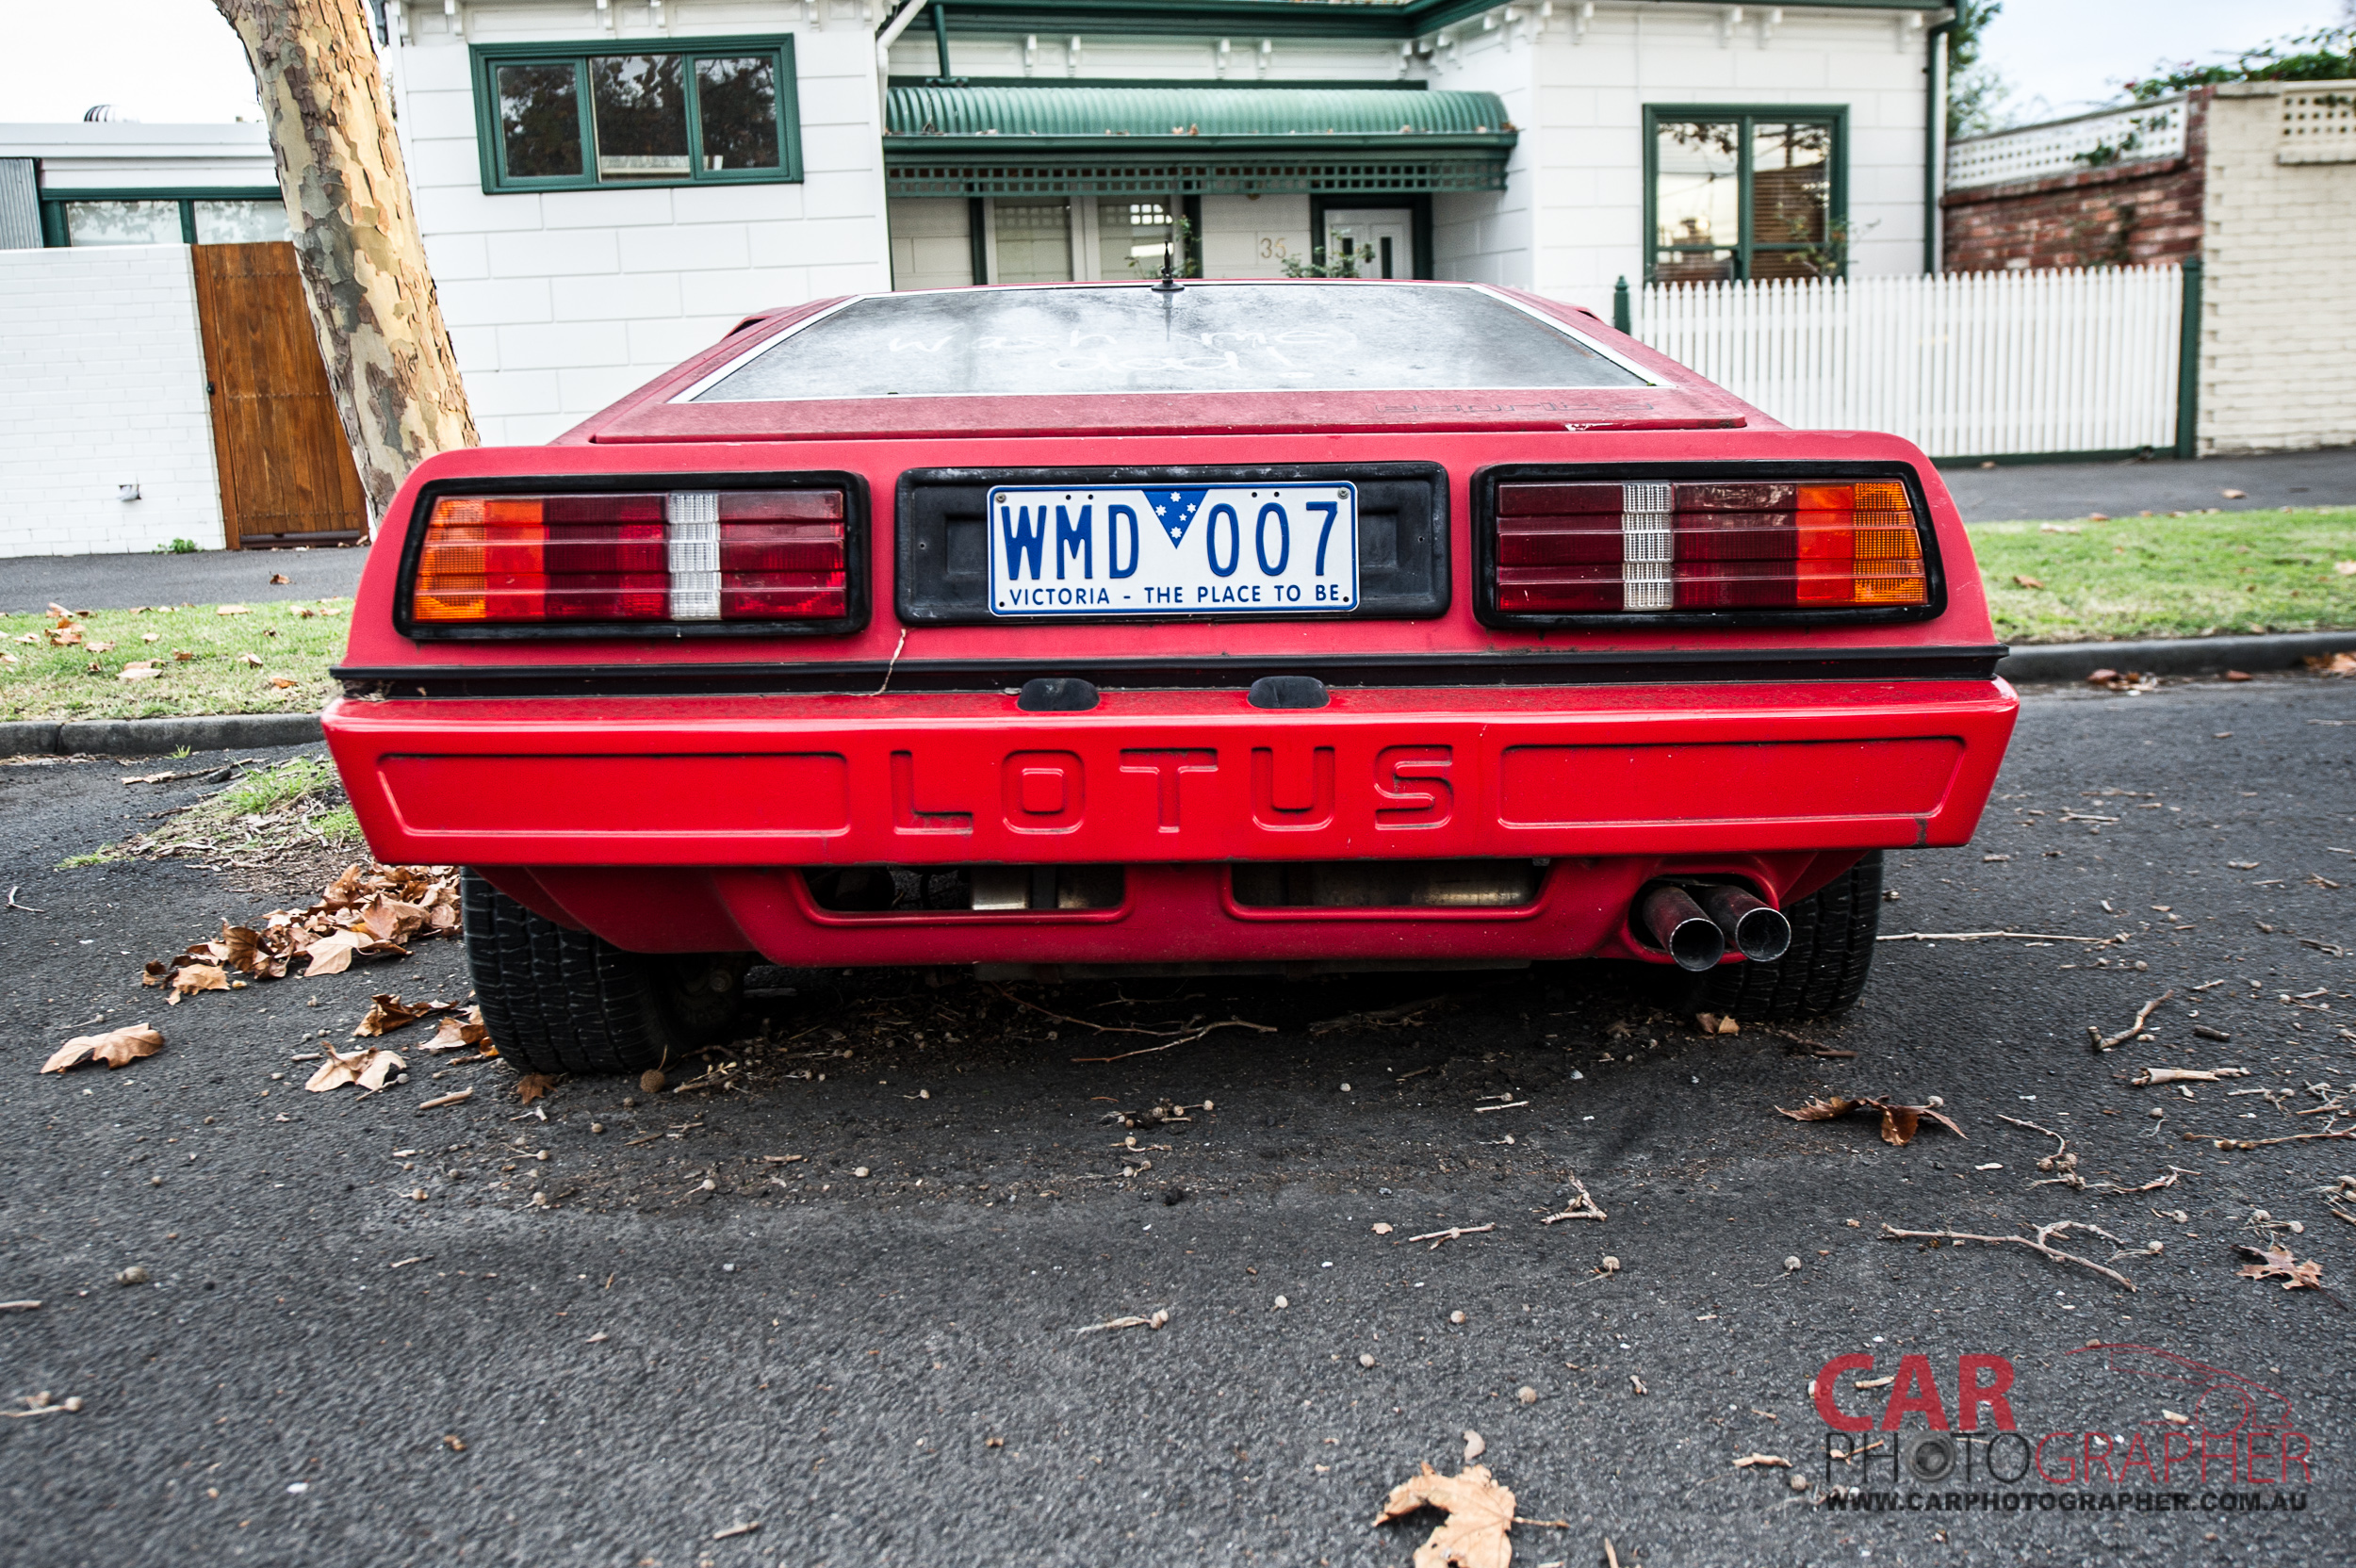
675, 822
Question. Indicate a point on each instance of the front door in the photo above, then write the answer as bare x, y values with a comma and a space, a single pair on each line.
286, 469
1379, 239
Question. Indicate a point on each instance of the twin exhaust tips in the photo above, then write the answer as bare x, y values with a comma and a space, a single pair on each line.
1696, 935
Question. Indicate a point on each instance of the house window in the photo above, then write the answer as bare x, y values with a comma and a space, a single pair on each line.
1034, 240
1735, 193
711, 111
89, 218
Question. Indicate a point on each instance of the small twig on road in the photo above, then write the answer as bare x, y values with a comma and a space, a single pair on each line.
1379, 1018
1509, 1106
1435, 1237
2216, 1141
2041, 1243
1583, 1207
2035, 1128
445, 1100
1182, 1040
12, 903
1996, 935
2143, 1016
1160, 1317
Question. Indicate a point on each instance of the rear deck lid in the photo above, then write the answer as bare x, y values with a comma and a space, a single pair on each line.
1132, 357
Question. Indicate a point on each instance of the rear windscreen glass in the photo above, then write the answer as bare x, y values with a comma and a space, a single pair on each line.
1132, 338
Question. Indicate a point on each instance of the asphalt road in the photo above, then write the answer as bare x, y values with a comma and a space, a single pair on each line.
325, 1369
2267, 482
30, 584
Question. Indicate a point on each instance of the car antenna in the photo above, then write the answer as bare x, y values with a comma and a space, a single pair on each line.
1169, 284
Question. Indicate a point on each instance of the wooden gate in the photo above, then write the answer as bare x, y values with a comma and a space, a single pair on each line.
285, 471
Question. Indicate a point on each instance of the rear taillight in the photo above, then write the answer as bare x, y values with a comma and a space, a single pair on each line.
685, 556
1572, 548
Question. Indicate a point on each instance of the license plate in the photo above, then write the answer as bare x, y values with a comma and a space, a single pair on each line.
1172, 549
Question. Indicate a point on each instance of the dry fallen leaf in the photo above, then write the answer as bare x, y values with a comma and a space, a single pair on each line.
2331, 663
369, 1068
277, 577
1480, 1513
388, 1012
279, 682
534, 1086
2026, 582
249, 660
231, 610
196, 977
2275, 1262
1899, 1122
116, 1048
455, 1031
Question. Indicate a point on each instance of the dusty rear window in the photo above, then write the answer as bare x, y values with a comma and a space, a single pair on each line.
1132, 338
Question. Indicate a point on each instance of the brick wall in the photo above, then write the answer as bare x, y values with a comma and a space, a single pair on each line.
102, 383
2127, 215
2279, 308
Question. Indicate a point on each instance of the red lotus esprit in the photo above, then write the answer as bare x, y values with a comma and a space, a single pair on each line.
1173, 627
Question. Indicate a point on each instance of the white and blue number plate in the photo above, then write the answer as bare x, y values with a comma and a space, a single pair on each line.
1216, 549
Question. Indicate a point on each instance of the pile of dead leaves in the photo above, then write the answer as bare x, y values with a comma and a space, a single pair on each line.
368, 912
1899, 1122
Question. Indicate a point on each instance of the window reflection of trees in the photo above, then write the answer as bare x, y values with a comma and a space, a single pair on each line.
738, 101
641, 114
539, 121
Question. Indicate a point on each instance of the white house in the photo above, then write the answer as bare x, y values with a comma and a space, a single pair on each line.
603, 191
606, 185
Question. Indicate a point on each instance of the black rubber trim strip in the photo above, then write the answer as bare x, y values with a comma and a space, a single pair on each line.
1546, 668
857, 557
1484, 532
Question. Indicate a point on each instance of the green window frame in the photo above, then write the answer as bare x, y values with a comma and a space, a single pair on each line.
1824, 256
776, 49
55, 201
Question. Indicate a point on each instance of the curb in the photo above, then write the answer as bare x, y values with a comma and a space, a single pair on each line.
2172, 655
2046, 662
157, 737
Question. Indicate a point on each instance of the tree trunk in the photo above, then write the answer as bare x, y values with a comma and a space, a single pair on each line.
355, 236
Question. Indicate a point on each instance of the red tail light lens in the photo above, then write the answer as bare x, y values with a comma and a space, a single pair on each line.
1659, 547
685, 556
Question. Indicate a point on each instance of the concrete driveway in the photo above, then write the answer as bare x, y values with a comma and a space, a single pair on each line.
844, 1302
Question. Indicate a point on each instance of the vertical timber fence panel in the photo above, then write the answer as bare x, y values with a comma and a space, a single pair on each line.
1962, 364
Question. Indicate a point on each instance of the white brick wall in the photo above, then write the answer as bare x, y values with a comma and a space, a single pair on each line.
102, 383
560, 302
2279, 297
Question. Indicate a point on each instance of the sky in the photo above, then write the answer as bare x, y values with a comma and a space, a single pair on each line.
165, 60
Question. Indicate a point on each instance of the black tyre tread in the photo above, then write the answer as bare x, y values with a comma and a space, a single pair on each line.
1832, 952
557, 999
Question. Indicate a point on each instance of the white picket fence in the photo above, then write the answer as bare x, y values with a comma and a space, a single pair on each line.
1962, 364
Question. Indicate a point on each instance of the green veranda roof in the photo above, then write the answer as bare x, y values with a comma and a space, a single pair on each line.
1127, 141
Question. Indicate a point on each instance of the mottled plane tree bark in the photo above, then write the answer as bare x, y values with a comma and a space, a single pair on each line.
380, 329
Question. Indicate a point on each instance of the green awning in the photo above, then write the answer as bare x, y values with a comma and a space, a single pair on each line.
1191, 141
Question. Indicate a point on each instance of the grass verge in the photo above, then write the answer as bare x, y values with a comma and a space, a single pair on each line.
206, 658
2197, 576
290, 810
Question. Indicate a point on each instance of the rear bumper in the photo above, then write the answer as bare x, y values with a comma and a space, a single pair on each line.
671, 824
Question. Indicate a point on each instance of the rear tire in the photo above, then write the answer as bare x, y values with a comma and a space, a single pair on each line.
563, 1001
1832, 952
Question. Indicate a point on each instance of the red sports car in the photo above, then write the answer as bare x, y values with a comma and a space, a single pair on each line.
1116, 629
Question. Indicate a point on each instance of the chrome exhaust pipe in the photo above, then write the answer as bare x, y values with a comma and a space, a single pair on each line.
1676, 923
1758, 931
